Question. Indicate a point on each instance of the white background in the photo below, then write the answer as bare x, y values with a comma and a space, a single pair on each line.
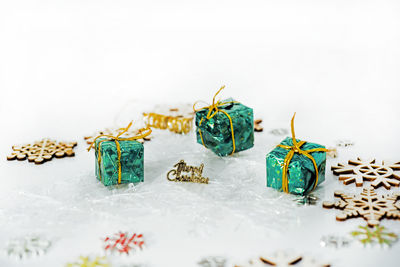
68, 68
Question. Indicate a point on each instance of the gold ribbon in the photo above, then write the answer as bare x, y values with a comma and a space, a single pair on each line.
295, 148
173, 123
142, 133
212, 111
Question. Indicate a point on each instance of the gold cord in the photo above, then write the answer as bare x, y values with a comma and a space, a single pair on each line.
212, 111
295, 148
142, 133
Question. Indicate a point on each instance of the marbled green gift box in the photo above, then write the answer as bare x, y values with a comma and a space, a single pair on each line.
301, 172
132, 167
216, 131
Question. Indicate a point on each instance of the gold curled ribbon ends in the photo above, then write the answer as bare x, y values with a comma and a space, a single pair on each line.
295, 148
212, 111
141, 134
180, 125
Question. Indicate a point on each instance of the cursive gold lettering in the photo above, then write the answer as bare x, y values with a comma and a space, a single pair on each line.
193, 174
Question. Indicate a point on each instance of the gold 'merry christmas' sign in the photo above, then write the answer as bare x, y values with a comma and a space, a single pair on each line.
194, 174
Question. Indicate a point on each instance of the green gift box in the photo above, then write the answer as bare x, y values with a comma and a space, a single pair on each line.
215, 132
131, 161
301, 174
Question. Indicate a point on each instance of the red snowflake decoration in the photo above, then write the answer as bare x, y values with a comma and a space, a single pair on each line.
124, 242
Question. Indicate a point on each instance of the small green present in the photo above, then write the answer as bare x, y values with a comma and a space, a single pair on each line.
226, 127
296, 166
120, 160
132, 167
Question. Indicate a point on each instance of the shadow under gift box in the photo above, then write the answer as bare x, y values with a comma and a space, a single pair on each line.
216, 131
132, 165
301, 172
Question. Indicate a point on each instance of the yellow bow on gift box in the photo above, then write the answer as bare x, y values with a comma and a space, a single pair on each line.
141, 134
213, 110
296, 148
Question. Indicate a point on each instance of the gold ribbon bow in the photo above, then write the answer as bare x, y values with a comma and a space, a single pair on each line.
141, 134
295, 148
212, 111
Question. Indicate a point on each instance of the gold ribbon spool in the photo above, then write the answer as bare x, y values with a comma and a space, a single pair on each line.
295, 148
215, 107
142, 133
173, 123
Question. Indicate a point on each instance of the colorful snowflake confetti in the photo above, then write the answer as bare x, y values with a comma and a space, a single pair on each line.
124, 243
335, 241
88, 262
378, 234
344, 143
307, 200
279, 131
27, 246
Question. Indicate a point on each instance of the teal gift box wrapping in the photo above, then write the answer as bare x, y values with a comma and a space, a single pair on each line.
301, 172
216, 132
132, 165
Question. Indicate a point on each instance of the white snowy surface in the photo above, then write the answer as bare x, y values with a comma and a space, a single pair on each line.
68, 68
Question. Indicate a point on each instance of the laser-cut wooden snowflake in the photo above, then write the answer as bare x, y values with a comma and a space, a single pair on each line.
257, 125
368, 205
359, 171
124, 243
42, 151
282, 259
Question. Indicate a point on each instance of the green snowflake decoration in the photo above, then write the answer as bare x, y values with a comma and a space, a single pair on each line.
378, 234
88, 262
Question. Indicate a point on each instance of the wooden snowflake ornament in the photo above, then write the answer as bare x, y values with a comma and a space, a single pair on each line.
257, 125
359, 171
368, 205
42, 151
282, 259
